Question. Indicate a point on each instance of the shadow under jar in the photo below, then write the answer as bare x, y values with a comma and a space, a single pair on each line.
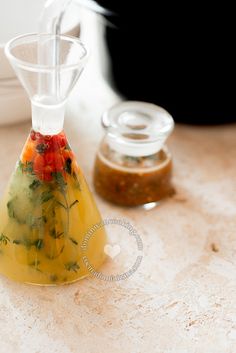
133, 166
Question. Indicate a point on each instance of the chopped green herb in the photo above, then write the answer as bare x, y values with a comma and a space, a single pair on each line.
28, 243
73, 241
72, 266
68, 166
29, 167
74, 203
10, 209
17, 242
25, 242
21, 165
46, 196
60, 180
61, 204
35, 184
38, 244
55, 235
4, 239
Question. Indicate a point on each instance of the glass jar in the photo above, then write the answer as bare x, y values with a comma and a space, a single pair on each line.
133, 165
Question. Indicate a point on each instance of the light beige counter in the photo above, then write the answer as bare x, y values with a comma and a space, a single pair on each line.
183, 297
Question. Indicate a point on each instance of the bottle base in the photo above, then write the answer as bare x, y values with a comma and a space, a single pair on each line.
57, 284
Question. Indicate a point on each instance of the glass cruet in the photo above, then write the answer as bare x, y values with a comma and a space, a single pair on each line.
47, 208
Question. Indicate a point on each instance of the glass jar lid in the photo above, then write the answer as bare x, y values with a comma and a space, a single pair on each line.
137, 128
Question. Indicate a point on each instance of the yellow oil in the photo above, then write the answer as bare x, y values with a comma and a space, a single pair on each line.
42, 228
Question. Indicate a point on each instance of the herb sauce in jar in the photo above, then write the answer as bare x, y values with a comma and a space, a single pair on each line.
133, 166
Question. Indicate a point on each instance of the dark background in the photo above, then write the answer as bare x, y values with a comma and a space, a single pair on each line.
180, 56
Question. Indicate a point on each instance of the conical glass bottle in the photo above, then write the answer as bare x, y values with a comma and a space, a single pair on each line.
47, 208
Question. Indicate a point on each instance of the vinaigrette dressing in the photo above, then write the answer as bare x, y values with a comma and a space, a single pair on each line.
48, 210
45, 214
133, 166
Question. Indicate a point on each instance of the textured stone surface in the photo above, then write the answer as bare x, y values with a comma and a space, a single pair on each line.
183, 297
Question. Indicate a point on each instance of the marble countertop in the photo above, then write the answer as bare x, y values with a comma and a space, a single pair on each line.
182, 299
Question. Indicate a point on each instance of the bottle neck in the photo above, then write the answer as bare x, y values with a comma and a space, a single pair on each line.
48, 119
